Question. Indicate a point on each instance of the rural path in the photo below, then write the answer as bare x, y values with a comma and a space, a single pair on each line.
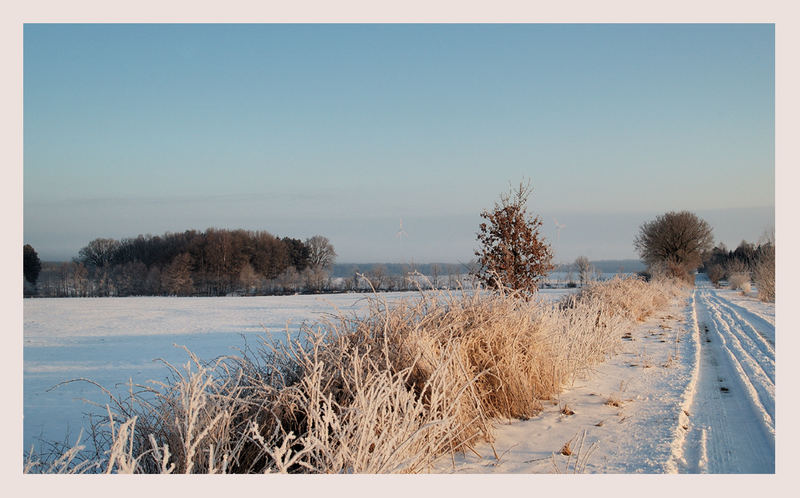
731, 399
691, 390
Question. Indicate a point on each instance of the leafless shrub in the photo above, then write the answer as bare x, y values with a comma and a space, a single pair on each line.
740, 281
736, 266
715, 273
764, 273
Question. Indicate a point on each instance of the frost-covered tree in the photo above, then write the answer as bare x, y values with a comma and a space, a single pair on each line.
320, 252
289, 280
378, 276
512, 251
321, 256
584, 268
435, 271
316, 278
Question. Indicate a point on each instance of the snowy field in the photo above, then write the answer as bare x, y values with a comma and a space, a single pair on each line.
692, 390
114, 340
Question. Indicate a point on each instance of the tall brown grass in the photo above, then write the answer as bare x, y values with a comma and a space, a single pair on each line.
740, 281
764, 274
388, 392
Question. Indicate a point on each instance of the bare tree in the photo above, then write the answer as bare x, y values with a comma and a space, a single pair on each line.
289, 279
152, 282
512, 251
584, 268
378, 276
715, 272
316, 278
452, 279
80, 278
65, 279
98, 253
674, 243
248, 278
435, 271
219, 252
177, 277
320, 252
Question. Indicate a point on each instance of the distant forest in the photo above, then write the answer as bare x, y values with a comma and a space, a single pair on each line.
218, 263
191, 263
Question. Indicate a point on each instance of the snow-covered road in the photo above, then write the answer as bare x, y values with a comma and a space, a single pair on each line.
732, 402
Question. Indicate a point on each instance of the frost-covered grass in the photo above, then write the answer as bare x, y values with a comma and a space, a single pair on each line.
114, 340
388, 391
764, 275
740, 281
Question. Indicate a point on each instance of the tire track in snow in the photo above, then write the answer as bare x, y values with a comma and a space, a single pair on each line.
755, 370
730, 402
758, 331
755, 315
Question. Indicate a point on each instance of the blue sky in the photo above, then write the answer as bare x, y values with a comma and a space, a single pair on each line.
343, 130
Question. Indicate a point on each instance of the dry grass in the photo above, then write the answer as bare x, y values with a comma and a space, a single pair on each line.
389, 392
740, 281
577, 458
764, 274
616, 400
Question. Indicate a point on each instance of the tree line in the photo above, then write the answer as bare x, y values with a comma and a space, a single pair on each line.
215, 262
722, 262
749, 261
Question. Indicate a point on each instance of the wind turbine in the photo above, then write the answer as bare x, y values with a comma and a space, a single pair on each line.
559, 226
401, 233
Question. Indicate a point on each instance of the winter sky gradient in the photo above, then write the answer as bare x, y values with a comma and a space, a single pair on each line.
343, 130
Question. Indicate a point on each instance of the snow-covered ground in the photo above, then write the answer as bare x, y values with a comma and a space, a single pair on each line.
114, 340
733, 398
691, 391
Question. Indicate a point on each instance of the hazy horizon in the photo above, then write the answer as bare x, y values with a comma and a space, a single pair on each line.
580, 234
344, 130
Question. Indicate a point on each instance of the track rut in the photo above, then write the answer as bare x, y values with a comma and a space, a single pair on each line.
731, 404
